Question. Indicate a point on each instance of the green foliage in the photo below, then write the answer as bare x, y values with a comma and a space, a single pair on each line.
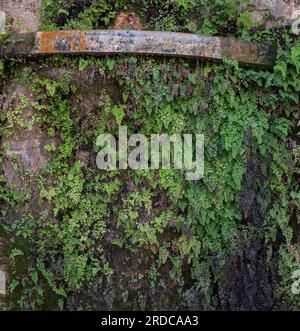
1, 67
202, 16
118, 112
128, 234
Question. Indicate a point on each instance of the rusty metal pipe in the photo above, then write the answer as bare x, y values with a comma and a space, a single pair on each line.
101, 42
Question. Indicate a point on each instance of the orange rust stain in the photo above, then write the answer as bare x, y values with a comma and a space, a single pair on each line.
73, 44
47, 41
83, 44
128, 21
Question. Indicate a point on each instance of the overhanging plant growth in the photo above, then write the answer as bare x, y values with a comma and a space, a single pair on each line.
81, 238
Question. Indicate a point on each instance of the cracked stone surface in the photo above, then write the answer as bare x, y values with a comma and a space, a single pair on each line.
25, 14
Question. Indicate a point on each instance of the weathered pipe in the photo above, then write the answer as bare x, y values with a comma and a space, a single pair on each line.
101, 42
